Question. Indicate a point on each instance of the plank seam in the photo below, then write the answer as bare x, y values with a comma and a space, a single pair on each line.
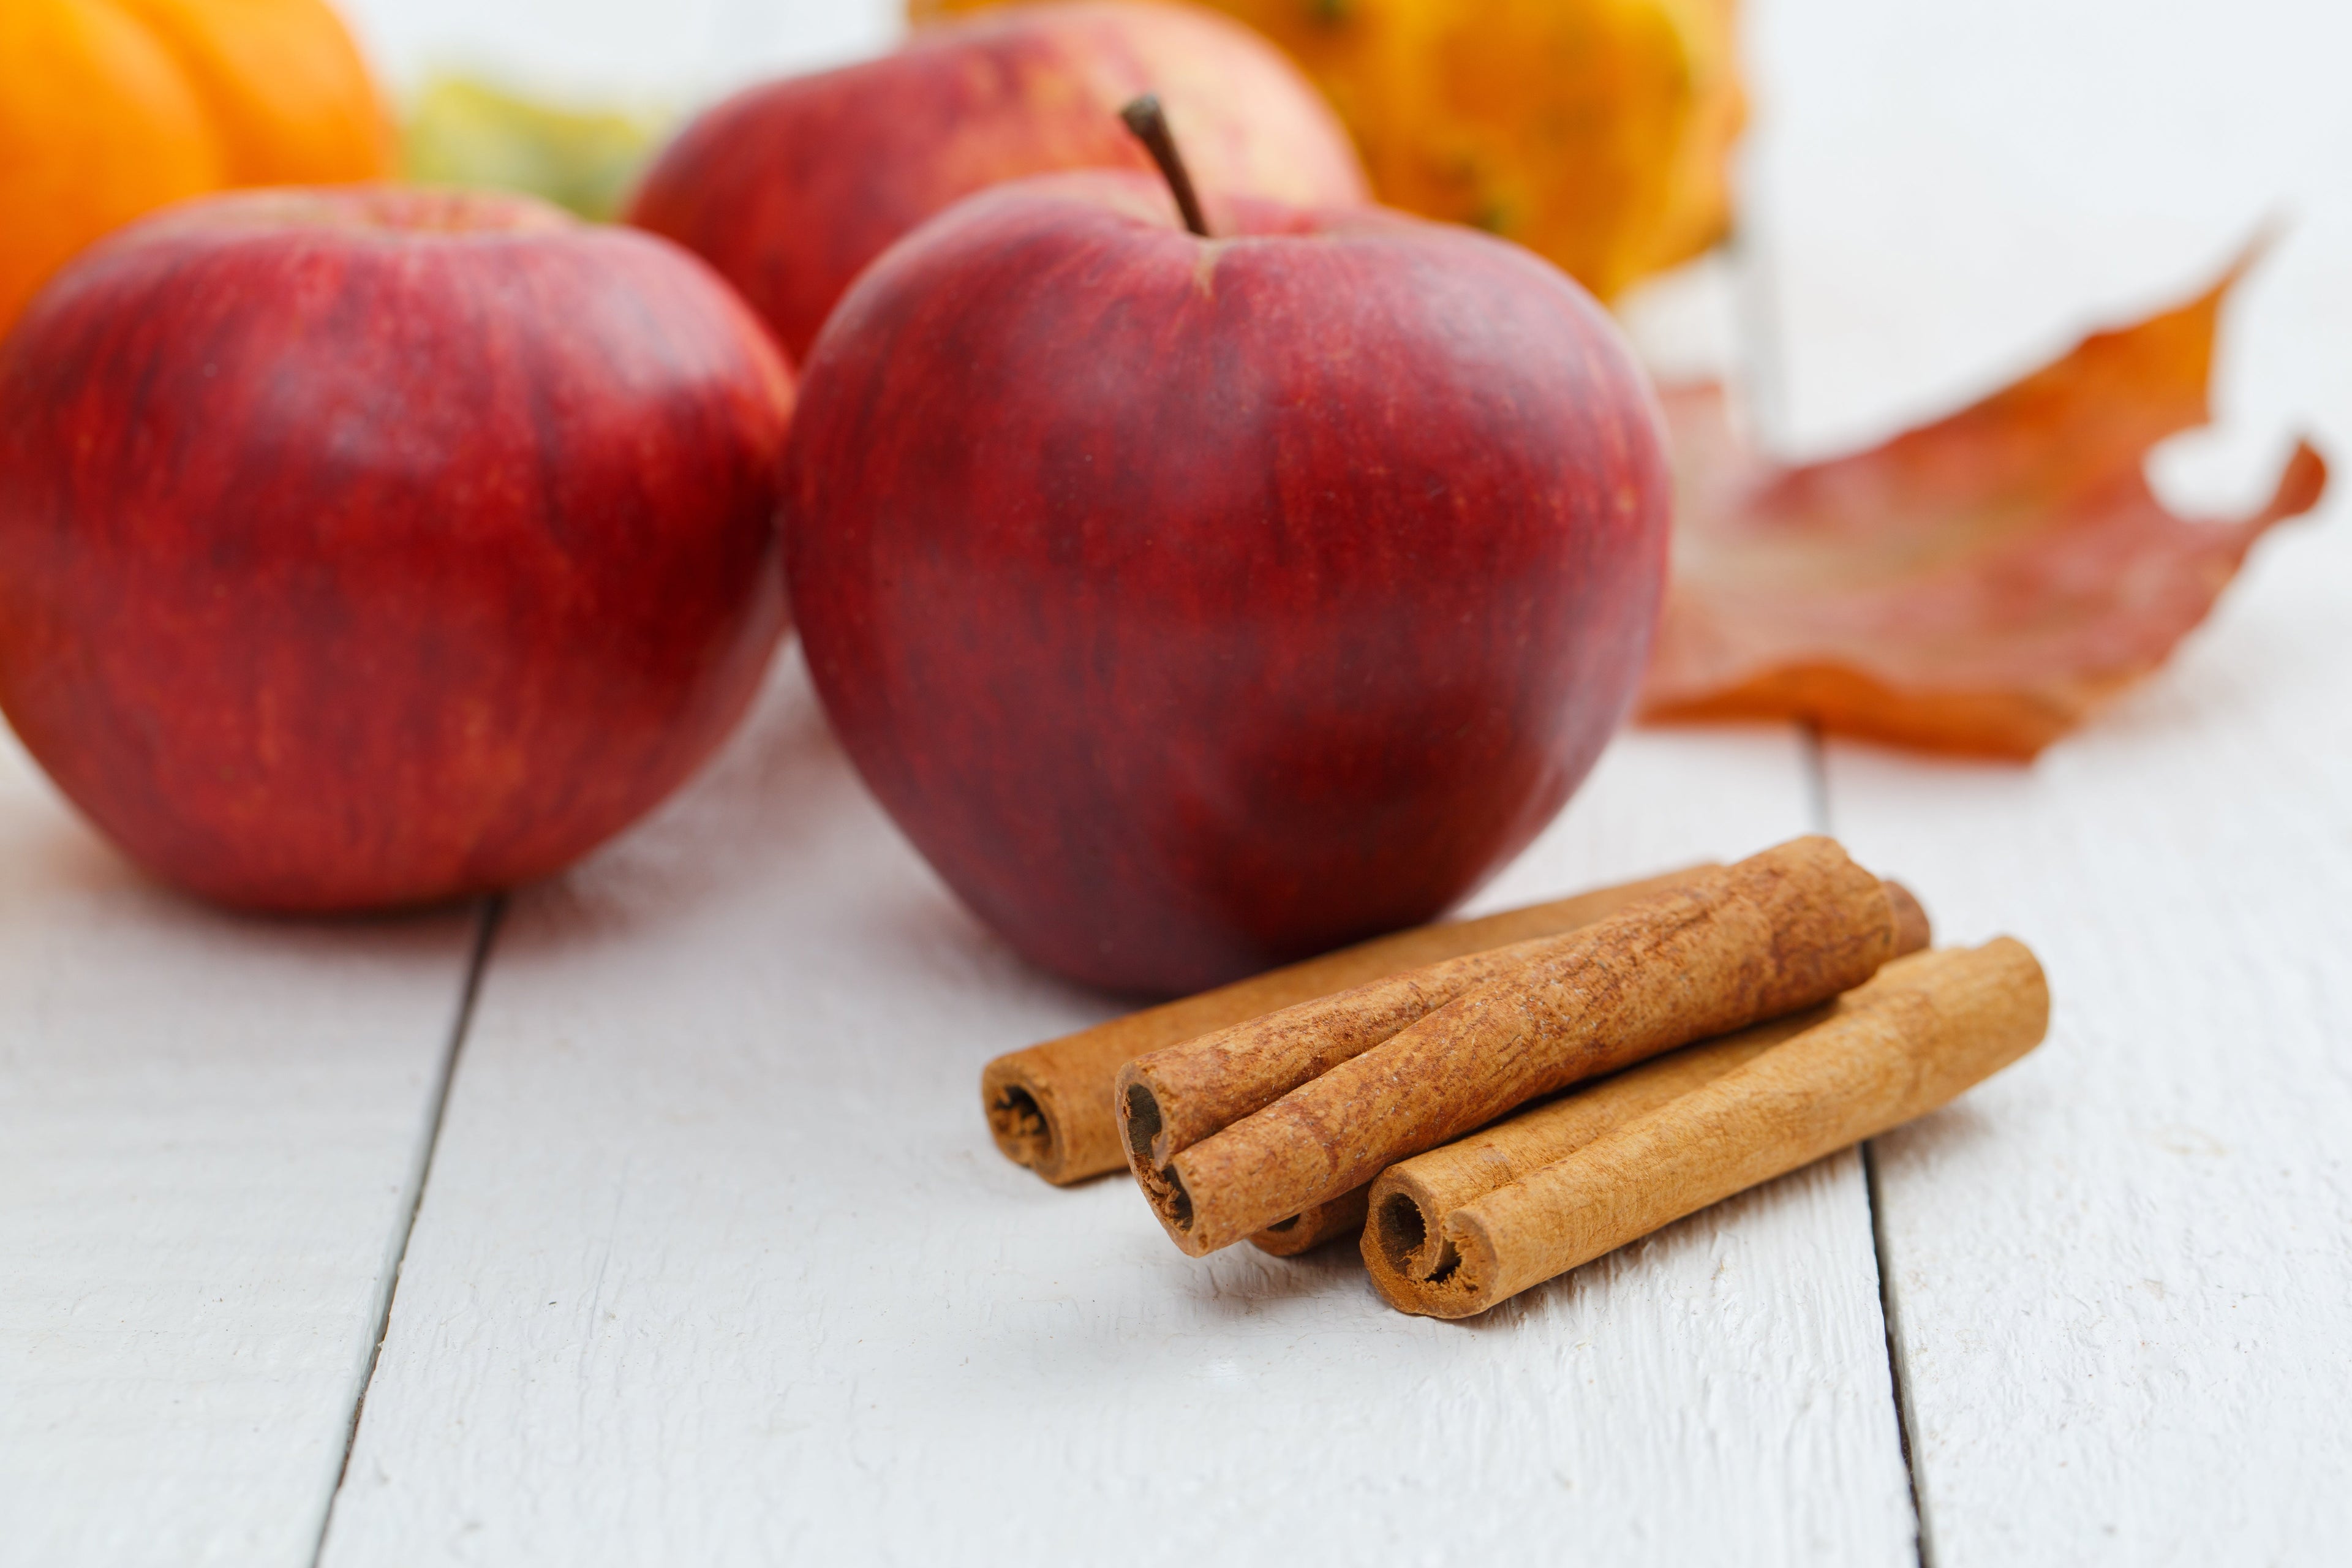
1816, 784
1887, 1316
1817, 778
493, 913
1759, 377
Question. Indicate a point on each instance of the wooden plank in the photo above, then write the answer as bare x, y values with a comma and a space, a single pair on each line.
210, 1136
2119, 1273
719, 1263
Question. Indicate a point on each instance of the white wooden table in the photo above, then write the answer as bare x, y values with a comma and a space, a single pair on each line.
664, 1190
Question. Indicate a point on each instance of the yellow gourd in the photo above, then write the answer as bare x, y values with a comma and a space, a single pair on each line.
1597, 132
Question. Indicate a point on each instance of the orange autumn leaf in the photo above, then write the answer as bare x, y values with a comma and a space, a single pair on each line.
1978, 585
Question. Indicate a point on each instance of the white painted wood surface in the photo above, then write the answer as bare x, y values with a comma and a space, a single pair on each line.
210, 1133
2121, 1274
718, 1264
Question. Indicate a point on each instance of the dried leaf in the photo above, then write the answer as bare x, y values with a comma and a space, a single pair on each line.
1977, 585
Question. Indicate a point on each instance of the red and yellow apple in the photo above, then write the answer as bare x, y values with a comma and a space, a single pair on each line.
366, 547
790, 188
1195, 604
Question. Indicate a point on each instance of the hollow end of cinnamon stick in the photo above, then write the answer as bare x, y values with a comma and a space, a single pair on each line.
1143, 1129
1164, 1188
1426, 1261
1020, 1126
1411, 1240
1139, 1119
1030, 1101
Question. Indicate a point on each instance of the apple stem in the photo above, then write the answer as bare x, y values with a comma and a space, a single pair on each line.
1150, 123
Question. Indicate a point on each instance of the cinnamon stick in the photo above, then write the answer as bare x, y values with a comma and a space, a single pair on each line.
1520, 1144
1416, 1195
1727, 948
1050, 1106
1342, 1217
1463, 1227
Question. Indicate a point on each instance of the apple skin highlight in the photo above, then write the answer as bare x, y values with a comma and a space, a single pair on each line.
363, 548
791, 187
1197, 606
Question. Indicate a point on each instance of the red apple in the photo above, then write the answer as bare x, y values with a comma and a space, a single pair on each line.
366, 547
1196, 605
790, 189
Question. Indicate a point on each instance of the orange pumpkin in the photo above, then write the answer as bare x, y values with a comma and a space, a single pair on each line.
111, 108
